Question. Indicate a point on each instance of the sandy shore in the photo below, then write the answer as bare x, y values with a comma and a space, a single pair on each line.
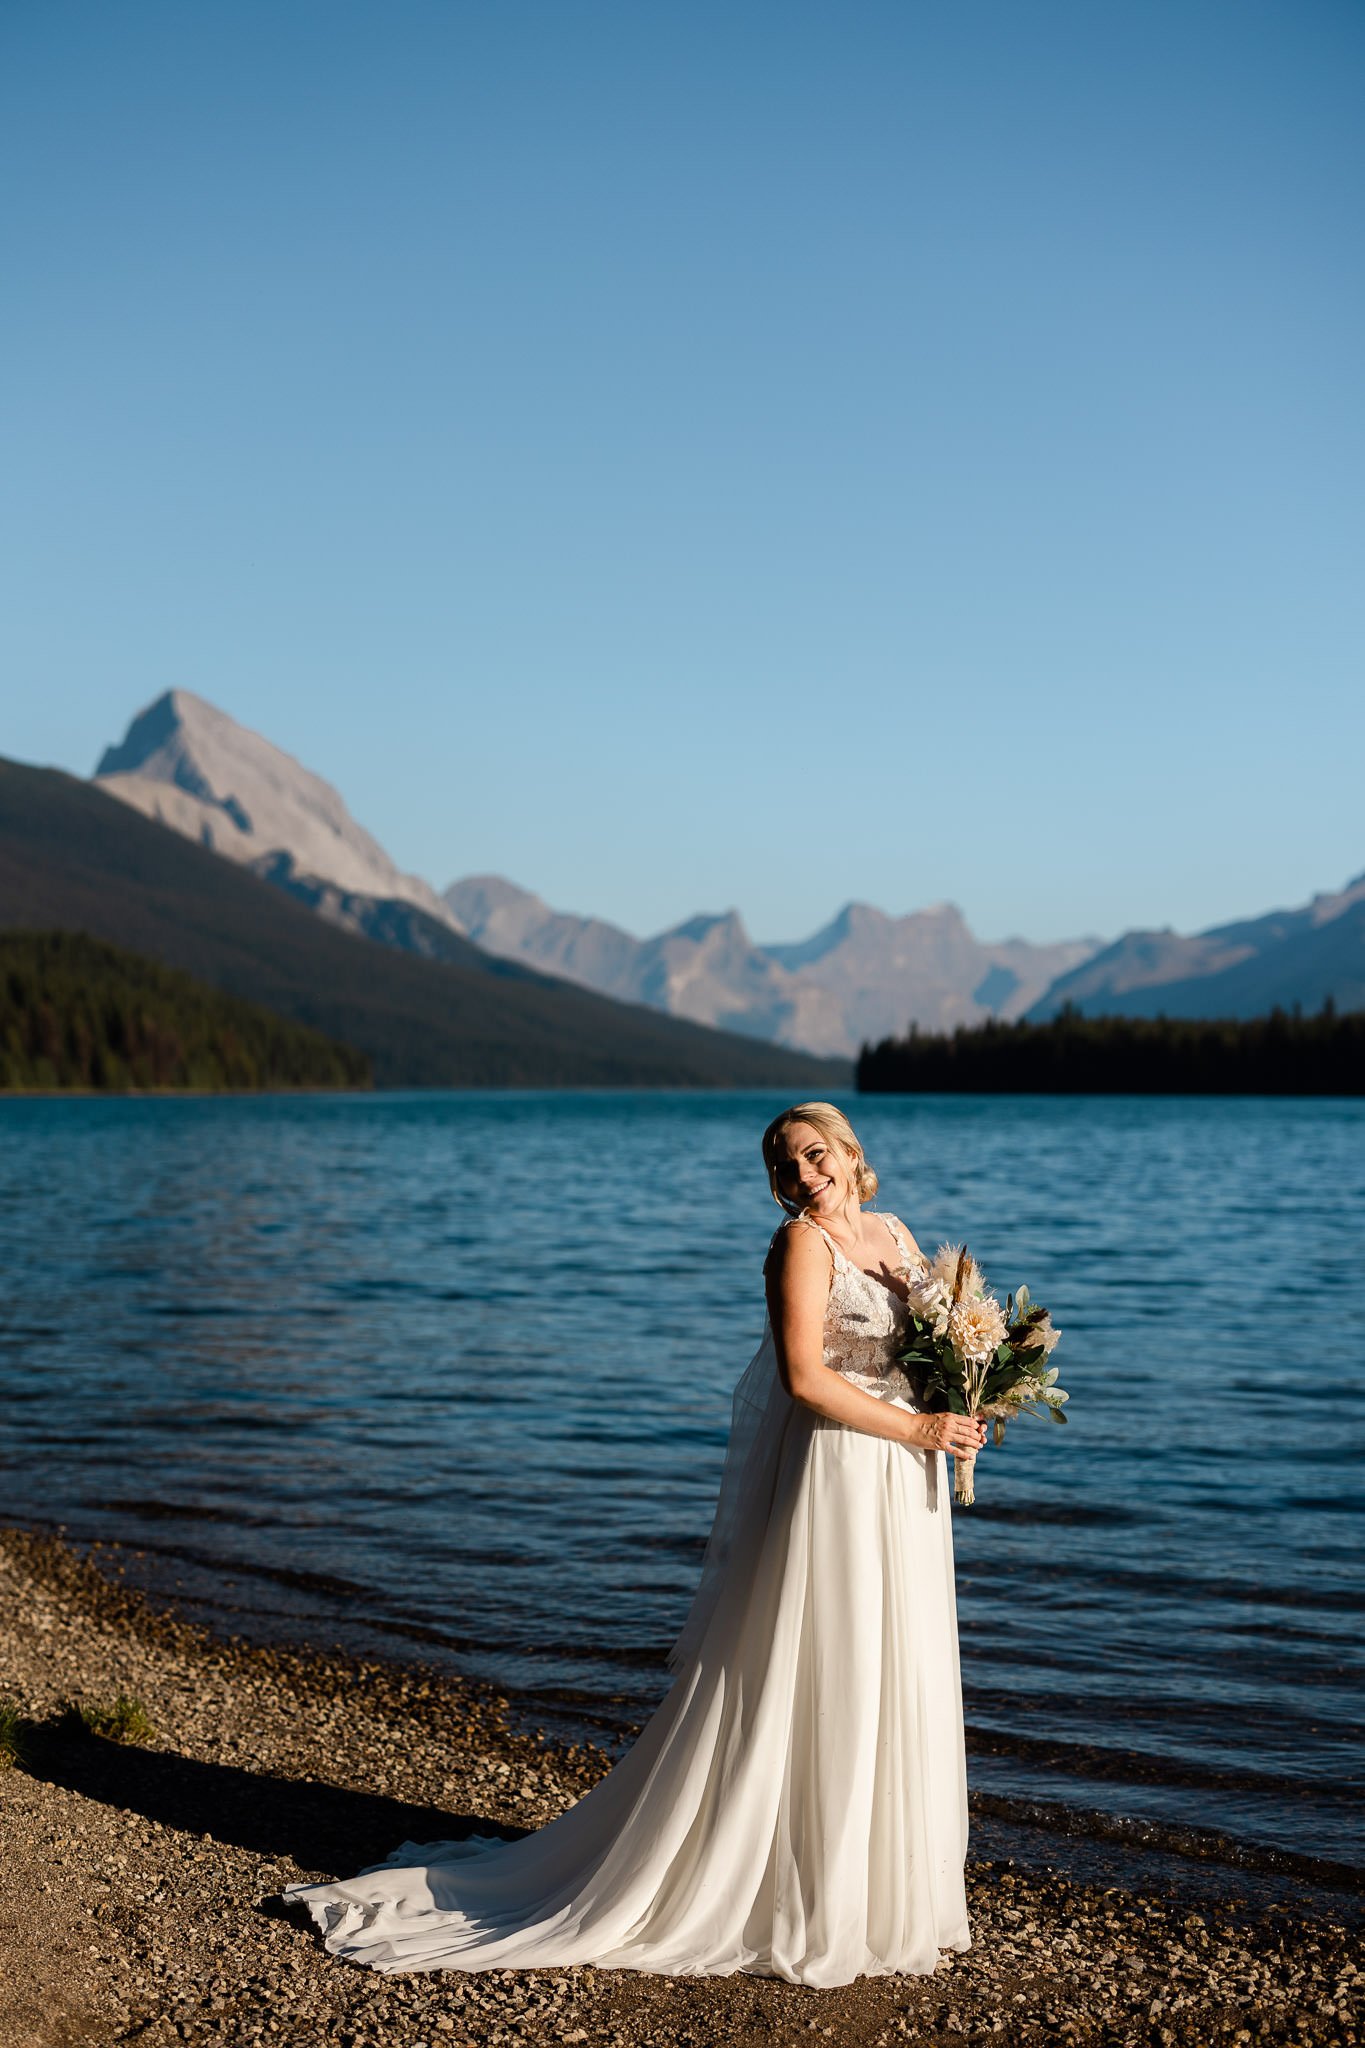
139, 1885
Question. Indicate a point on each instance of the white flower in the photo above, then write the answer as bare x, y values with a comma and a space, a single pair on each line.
1038, 1333
928, 1298
976, 1326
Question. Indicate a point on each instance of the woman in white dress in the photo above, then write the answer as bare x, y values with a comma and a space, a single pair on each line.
797, 1805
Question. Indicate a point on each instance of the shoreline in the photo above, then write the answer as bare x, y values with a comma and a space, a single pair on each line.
1037, 1822
140, 1884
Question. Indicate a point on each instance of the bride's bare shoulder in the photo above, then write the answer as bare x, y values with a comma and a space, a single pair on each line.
797, 1247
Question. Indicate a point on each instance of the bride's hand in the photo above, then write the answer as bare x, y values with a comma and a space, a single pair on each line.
962, 1435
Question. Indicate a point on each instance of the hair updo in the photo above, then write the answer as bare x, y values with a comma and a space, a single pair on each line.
835, 1128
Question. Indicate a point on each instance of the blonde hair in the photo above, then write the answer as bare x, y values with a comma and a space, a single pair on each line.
835, 1128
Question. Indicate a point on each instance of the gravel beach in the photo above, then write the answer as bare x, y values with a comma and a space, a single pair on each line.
139, 1883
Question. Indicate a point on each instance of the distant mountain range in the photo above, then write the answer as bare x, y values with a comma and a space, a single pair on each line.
862, 977
1233, 970
190, 766
74, 859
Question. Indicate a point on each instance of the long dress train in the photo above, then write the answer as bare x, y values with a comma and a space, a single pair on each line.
797, 1804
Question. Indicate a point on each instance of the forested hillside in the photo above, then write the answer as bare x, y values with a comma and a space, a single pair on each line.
75, 1013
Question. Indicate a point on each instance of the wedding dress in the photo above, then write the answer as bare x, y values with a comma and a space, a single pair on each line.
797, 1805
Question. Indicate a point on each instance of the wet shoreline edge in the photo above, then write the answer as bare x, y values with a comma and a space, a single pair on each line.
269, 1763
1046, 1832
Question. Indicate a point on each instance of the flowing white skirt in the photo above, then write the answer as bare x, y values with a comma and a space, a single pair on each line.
797, 1805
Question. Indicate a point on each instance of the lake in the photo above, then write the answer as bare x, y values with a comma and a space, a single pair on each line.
448, 1375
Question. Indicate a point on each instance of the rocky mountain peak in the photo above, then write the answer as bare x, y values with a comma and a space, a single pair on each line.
157, 742
191, 766
477, 898
712, 929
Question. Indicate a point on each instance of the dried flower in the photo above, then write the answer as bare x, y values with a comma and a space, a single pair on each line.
944, 1266
976, 1326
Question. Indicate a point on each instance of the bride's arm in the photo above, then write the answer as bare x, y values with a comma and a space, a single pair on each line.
798, 1277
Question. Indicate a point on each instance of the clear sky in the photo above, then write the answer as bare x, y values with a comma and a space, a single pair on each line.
683, 456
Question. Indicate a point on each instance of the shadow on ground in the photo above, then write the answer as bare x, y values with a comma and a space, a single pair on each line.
317, 1826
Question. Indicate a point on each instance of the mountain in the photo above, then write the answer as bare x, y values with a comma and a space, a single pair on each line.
1232, 970
863, 976
389, 920
707, 969
927, 967
517, 926
73, 858
187, 764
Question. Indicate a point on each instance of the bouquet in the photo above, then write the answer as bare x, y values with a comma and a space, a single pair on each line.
972, 1357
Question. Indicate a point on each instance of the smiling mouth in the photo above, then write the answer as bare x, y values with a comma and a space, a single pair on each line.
815, 1192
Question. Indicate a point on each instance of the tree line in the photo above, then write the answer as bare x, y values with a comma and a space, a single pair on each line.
1284, 1053
76, 1013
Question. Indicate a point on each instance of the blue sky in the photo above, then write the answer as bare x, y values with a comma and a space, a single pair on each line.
692, 456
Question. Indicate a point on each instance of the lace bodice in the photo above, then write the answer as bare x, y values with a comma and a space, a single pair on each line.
865, 1320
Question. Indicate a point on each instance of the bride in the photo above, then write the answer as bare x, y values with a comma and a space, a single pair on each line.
797, 1805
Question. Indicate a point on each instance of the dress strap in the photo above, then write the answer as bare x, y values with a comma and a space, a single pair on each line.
786, 1224
841, 1257
914, 1258
894, 1227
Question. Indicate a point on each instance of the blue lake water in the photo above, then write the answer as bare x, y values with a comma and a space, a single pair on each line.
449, 1374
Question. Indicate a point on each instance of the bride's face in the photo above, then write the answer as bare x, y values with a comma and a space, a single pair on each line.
812, 1174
